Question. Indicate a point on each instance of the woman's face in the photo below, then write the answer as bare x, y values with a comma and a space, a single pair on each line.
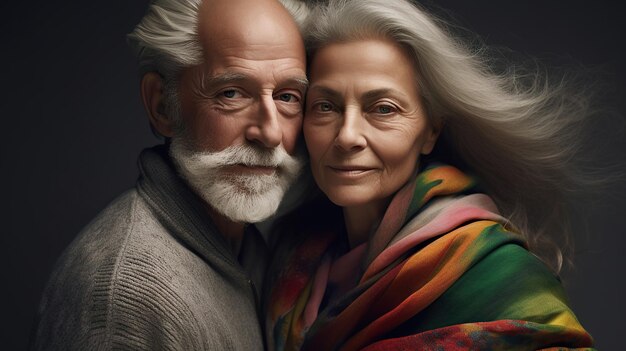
365, 125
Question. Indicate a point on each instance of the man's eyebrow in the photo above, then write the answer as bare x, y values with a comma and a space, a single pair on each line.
300, 81
232, 77
221, 79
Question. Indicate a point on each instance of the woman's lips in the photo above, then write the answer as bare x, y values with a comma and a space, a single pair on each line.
351, 171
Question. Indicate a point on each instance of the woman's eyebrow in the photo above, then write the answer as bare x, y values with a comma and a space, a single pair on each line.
382, 92
369, 95
320, 89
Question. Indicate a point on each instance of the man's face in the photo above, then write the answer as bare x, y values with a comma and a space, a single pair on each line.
247, 95
250, 87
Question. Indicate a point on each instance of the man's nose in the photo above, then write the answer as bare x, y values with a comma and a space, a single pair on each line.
265, 129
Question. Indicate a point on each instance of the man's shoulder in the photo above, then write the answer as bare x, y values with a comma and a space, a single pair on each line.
104, 237
118, 217
128, 282
114, 279
126, 234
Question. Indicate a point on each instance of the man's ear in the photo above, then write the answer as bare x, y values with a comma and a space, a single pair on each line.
153, 95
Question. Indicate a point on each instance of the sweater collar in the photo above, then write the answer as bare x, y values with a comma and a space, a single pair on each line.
181, 211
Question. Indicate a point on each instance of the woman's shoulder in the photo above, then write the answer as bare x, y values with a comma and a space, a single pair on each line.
508, 283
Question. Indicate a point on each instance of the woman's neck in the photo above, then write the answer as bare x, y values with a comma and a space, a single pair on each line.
361, 219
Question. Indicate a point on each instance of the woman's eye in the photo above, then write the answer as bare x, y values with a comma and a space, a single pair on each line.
384, 109
324, 107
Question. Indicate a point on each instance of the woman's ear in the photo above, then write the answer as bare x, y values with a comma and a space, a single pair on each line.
432, 134
153, 95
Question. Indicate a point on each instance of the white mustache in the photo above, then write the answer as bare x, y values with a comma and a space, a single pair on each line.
245, 197
197, 162
246, 155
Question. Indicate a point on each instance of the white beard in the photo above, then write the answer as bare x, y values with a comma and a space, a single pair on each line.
247, 198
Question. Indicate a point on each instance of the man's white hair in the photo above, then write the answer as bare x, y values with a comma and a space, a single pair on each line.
166, 38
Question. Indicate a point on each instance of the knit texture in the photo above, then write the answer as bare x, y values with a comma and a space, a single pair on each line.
151, 272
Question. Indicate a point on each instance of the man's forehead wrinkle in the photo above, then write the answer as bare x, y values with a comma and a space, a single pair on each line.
292, 66
234, 49
234, 52
247, 61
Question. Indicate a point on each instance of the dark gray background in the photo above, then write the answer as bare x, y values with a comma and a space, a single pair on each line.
72, 126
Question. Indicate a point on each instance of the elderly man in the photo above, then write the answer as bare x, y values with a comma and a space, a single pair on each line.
171, 264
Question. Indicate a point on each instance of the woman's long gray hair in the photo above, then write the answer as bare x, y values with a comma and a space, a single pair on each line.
516, 131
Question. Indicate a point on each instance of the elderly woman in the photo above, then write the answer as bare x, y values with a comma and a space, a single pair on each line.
441, 178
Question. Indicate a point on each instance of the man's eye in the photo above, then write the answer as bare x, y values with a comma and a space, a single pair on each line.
287, 97
229, 93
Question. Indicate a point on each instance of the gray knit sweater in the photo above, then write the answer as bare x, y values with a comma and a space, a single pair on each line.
152, 273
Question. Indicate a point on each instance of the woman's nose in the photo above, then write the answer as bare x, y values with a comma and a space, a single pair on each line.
350, 136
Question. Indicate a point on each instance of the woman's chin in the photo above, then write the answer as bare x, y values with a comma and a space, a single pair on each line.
350, 199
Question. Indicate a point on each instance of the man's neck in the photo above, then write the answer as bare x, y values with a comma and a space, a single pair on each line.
232, 231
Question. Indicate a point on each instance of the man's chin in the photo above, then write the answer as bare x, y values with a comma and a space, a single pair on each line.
243, 205
252, 185
249, 171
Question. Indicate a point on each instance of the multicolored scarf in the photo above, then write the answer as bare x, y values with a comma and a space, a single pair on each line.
443, 271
